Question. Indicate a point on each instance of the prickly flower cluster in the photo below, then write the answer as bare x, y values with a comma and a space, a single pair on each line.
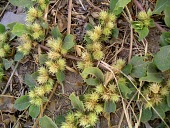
45, 85
34, 28
144, 20
55, 61
93, 105
94, 38
155, 94
4, 47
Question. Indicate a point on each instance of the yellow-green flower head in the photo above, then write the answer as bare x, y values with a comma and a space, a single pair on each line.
36, 101
99, 89
25, 38
3, 37
111, 17
110, 25
155, 88
68, 125
98, 109
38, 34
156, 99
40, 14
41, 1
52, 66
98, 55
147, 22
70, 117
90, 105
32, 94
92, 119
106, 96
47, 88
55, 44
78, 114
164, 91
89, 47
32, 12
2, 52
106, 31
94, 36
84, 121
103, 15
43, 71
96, 46
43, 6
36, 27
121, 63
115, 97
30, 18
63, 51
86, 56
6, 47
61, 64
88, 64
98, 30
43, 75
40, 91
142, 15
94, 96
25, 48
53, 55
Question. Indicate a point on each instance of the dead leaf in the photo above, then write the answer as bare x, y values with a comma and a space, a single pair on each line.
7, 103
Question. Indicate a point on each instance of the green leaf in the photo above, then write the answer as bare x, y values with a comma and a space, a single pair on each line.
2, 29
30, 81
22, 103
43, 58
11, 25
146, 115
124, 89
34, 111
160, 6
162, 58
60, 76
112, 5
152, 74
76, 102
165, 39
139, 67
127, 69
115, 32
18, 56
167, 16
160, 110
46, 122
19, 29
93, 71
109, 106
56, 33
168, 100
7, 63
59, 120
68, 42
92, 81
23, 3
142, 33
120, 5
